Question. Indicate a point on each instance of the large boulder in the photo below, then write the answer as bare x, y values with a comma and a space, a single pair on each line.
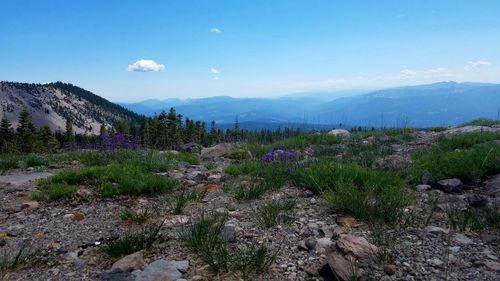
356, 246
130, 263
340, 133
450, 185
342, 267
159, 270
218, 150
469, 129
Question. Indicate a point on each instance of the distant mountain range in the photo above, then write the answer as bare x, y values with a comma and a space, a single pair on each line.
439, 104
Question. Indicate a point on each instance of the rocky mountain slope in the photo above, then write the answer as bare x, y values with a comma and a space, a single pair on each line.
52, 104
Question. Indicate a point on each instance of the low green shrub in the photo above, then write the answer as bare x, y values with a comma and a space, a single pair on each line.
54, 192
110, 180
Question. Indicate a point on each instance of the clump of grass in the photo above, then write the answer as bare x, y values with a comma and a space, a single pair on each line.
137, 217
276, 213
385, 240
239, 154
374, 196
210, 166
462, 220
204, 238
254, 190
10, 260
181, 199
133, 242
474, 219
365, 154
249, 262
245, 168
54, 192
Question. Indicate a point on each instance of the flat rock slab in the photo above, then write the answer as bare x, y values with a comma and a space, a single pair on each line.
21, 179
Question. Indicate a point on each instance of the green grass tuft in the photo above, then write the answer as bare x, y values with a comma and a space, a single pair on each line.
276, 213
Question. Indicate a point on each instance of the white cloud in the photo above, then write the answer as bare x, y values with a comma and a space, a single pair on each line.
215, 78
476, 64
215, 30
213, 71
433, 72
143, 65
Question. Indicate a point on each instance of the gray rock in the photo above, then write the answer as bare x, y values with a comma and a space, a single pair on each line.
190, 147
423, 187
310, 243
228, 233
182, 266
427, 178
492, 188
462, 239
476, 200
435, 230
156, 270
3, 242
450, 185
491, 265
117, 275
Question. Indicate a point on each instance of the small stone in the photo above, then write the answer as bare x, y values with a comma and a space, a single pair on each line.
435, 262
450, 185
69, 216
423, 187
323, 243
462, 239
389, 269
78, 216
228, 232
130, 263
213, 187
493, 266
313, 200
31, 205
346, 221
3, 242
435, 230
310, 243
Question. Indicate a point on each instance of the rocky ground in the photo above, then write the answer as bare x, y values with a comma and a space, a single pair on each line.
70, 233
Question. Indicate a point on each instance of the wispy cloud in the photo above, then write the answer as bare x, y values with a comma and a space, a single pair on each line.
213, 71
476, 64
216, 78
215, 30
433, 72
143, 65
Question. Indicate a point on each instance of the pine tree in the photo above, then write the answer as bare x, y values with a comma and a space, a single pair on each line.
26, 132
48, 141
6, 134
69, 136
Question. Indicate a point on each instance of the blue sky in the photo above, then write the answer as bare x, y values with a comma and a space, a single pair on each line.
247, 48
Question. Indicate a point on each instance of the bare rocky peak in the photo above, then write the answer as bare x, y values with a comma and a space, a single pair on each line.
51, 104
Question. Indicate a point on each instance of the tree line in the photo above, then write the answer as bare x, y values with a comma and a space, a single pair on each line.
166, 130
